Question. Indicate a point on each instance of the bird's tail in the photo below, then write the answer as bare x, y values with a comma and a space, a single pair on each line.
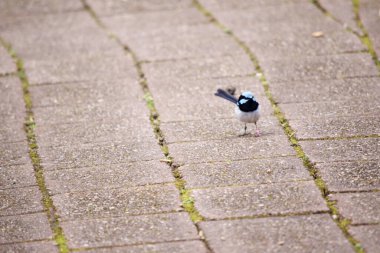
224, 94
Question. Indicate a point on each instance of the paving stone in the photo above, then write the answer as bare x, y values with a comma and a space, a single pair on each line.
7, 65
350, 176
215, 6
16, 176
105, 110
120, 6
106, 130
318, 67
37, 7
79, 93
272, 199
12, 131
87, 155
363, 207
226, 150
216, 129
343, 11
365, 88
24, 228
101, 67
336, 127
20, 201
368, 236
117, 202
115, 175
59, 37
178, 247
14, 153
276, 234
29, 247
11, 96
369, 15
129, 230
342, 150
225, 66
331, 109
260, 171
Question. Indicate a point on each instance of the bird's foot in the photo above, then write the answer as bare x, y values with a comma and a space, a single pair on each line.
257, 134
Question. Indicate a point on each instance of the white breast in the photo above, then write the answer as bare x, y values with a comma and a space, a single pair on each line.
248, 117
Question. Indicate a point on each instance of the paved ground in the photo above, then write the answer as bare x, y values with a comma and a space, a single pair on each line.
112, 140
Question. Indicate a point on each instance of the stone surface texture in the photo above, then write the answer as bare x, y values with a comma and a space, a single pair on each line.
132, 152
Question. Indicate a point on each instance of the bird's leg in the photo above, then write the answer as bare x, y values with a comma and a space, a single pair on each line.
257, 134
245, 128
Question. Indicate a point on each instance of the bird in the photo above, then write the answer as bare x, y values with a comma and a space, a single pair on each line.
247, 109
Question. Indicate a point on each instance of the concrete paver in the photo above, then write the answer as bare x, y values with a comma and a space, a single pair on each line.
129, 230
20, 201
258, 171
368, 235
7, 65
107, 176
17, 176
24, 228
117, 202
30, 247
279, 234
14, 153
178, 247
353, 205
271, 199
369, 14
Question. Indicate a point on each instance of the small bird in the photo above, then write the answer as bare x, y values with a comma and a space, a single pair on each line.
247, 108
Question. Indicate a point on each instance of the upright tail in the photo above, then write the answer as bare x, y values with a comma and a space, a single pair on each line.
224, 94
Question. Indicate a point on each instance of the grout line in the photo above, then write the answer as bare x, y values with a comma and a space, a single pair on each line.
341, 138
290, 133
26, 241
185, 194
29, 127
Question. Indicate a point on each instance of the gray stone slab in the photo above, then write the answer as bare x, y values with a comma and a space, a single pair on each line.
20, 201
85, 68
342, 10
336, 127
107, 176
24, 228
226, 150
118, 7
318, 67
105, 110
361, 207
241, 4
115, 130
342, 150
216, 129
12, 131
260, 171
369, 15
225, 66
312, 233
17, 176
331, 109
117, 202
37, 7
368, 236
178, 247
350, 176
7, 65
14, 153
11, 96
327, 90
129, 230
271, 199
79, 93
94, 154
30, 247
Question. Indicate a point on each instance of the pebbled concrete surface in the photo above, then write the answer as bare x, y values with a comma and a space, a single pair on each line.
89, 68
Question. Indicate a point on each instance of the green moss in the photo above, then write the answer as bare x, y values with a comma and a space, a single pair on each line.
29, 126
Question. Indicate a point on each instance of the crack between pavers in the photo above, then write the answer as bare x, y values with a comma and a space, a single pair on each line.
353, 137
335, 215
365, 224
355, 191
364, 38
29, 127
27, 241
188, 203
132, 245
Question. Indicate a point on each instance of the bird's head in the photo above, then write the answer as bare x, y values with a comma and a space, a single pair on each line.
247, 102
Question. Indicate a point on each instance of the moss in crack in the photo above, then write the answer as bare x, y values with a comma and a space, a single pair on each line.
29, 127
313, 171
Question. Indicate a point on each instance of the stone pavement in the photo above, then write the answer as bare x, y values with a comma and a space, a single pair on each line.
112, 141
